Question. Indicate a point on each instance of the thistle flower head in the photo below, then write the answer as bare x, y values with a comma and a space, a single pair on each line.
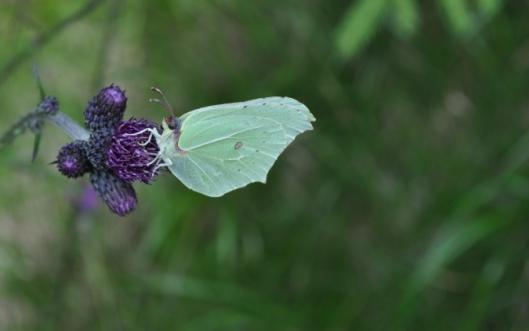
116, 154
132, 151
72, 161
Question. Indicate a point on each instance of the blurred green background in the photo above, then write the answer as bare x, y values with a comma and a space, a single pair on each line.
405, 209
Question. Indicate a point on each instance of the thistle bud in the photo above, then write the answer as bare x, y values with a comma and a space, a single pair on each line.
106, 108
48, 106
118, 195
72, 161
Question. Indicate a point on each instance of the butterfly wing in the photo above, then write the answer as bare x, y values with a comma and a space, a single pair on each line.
228, 146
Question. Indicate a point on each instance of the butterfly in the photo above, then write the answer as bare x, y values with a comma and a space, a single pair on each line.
218, 149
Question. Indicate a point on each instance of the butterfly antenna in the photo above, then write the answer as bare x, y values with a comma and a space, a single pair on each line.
164, 101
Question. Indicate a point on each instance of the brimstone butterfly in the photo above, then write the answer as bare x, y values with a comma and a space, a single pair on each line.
217, 149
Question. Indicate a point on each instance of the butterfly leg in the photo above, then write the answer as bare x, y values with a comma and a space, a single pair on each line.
160, 165
139, 132
152, 132
147, 141
153, 161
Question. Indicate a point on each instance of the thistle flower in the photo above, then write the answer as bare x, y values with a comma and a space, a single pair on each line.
116, 154
131, 154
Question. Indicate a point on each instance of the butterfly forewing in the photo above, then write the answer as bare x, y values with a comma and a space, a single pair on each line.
229, 146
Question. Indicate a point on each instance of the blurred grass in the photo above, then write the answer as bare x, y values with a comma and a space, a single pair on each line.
406, 208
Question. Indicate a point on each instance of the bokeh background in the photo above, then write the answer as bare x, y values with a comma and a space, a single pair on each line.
405, 209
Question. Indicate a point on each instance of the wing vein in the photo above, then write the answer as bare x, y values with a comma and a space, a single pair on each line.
203, 171
222, 138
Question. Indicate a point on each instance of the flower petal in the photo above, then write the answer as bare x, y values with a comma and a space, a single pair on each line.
132, 153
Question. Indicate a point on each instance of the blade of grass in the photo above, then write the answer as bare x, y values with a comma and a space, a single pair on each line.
406, 16
453, 240
358, 26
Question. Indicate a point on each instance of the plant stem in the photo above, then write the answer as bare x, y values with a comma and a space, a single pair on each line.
68, 125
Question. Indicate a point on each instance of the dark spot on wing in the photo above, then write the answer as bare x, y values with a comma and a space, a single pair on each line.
238, 145
245, 106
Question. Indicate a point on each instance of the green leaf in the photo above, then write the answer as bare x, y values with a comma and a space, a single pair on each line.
38, 80
359, 25
36, 145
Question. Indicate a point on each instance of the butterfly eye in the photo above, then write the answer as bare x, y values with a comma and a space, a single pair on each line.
170, 122
173, 123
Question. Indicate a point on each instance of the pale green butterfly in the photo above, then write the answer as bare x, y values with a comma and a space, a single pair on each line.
218, 149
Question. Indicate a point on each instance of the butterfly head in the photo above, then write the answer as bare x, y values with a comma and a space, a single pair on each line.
170, 122
173, 123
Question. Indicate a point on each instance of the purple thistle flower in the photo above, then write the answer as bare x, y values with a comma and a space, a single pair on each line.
72, 161
131, 156
115, 154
